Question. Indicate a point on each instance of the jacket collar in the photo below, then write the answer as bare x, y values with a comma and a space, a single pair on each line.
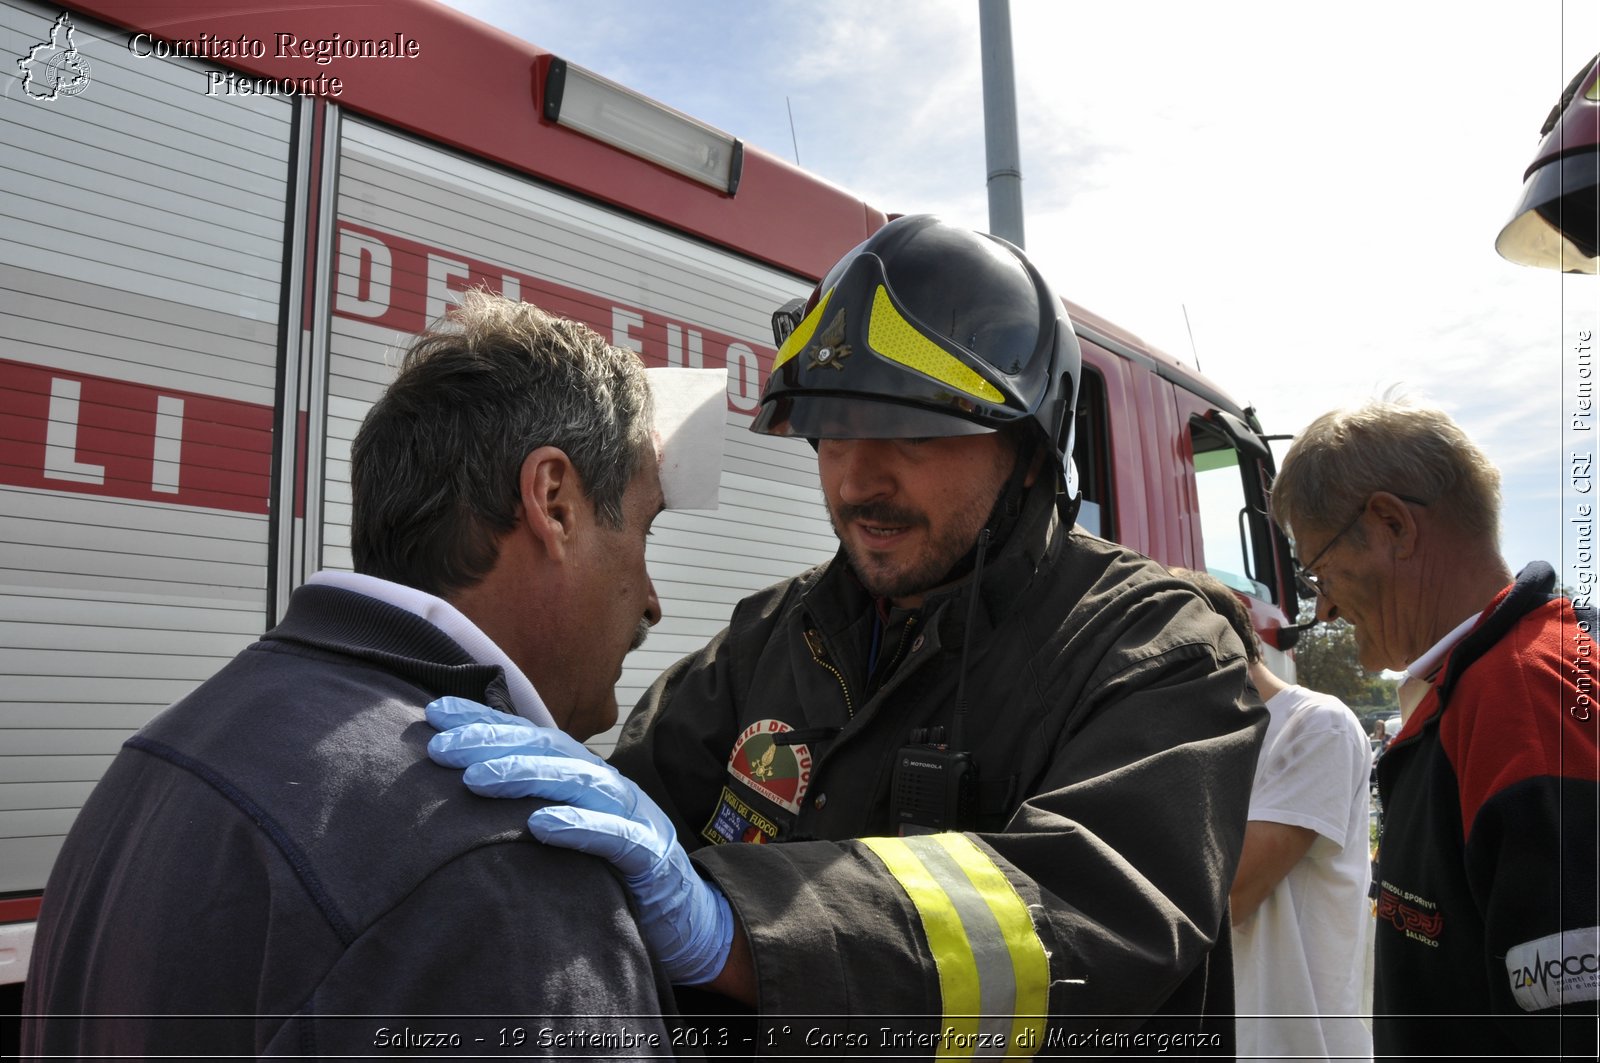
339, 621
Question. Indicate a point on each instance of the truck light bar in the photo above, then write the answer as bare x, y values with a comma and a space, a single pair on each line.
582, 100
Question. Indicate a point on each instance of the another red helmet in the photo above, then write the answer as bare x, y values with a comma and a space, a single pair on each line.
1556, 224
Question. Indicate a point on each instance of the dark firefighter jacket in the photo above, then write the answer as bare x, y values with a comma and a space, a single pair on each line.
1115, 738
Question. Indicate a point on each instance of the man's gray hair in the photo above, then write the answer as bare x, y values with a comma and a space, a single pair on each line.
1345, 456
435, 469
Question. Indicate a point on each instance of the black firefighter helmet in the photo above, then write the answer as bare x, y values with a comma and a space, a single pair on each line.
926, 329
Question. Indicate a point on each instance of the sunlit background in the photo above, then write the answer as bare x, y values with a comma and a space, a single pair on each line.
1302, 199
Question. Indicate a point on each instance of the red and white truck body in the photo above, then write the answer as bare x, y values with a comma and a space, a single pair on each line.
202, 289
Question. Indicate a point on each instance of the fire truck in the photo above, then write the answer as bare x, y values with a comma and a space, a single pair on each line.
221, 221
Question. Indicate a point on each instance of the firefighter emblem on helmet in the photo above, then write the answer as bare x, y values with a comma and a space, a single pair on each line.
831, 350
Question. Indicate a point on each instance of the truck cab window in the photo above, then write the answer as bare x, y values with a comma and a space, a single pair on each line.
1231, 529
1091, 452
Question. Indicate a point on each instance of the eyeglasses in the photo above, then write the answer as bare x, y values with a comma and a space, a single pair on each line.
1309, 583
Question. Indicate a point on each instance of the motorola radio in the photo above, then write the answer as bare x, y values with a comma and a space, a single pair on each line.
934, 787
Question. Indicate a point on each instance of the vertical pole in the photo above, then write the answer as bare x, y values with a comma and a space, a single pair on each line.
1000, 121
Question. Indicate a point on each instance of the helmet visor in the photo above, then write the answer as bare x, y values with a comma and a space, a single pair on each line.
814, 416
1554, 225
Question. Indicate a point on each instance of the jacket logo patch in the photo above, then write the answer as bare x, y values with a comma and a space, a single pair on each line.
735, 821
1417, 919
780, 773
1558, 969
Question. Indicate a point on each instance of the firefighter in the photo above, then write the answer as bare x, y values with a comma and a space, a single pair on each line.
1008, 762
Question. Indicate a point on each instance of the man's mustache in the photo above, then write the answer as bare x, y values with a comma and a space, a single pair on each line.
640, 634
884, 513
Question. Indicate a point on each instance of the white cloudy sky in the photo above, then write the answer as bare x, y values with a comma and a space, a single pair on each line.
1319, 185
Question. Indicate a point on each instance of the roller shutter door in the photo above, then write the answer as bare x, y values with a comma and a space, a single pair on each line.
141, 258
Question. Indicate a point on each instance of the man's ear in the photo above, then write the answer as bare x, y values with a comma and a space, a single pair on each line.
1398, 524
550, 491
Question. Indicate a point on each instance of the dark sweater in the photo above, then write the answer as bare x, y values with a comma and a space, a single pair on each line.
273, 865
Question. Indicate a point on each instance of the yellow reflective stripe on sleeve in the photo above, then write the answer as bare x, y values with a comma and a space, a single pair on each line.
802, 333
1030, 965
898, 340
952, 955
994, 976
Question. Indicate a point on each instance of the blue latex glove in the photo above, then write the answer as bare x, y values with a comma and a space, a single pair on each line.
686, 920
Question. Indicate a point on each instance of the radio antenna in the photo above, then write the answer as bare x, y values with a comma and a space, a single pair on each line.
966, 641
792, 138
1190, 327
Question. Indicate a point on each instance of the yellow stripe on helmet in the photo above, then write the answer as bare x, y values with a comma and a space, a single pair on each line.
898, 340
802, 333
994, 977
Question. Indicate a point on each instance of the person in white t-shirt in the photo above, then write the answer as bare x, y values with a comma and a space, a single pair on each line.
1299, 898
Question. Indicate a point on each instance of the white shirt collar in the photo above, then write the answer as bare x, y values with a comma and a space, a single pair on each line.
450, 620
1428, 663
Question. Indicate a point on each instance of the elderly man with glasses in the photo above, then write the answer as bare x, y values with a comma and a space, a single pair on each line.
1487, 933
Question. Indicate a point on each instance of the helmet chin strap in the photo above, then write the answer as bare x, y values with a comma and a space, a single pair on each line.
1008, 507
1002, 521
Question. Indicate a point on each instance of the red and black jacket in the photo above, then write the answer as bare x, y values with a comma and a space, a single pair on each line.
1487, 927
